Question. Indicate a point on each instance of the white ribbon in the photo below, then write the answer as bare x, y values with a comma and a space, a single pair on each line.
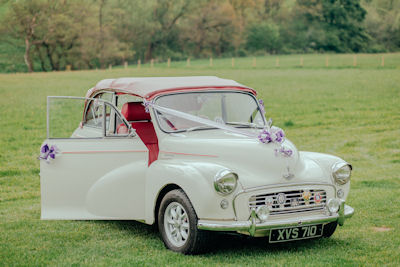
200, 120
267, 135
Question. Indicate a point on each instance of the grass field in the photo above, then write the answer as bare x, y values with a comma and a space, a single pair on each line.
352, 112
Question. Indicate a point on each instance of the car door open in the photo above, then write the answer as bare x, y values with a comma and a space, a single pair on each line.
88, 170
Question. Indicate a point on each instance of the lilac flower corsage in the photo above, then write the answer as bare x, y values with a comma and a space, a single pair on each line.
273, 134
48, 153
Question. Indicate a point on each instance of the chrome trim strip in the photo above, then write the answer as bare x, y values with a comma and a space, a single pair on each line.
251, 226
250, 189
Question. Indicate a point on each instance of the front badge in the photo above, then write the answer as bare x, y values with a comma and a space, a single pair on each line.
317, 198
281, 198
306, 197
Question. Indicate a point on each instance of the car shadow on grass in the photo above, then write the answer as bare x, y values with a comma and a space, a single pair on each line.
228, 242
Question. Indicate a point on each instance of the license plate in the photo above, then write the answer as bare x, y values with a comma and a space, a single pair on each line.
295, 233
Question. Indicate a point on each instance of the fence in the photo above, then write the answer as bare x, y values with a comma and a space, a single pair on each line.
279, 62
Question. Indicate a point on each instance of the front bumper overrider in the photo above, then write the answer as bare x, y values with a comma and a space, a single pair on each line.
251, 225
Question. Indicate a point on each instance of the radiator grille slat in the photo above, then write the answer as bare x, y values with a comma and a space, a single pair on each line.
293, 201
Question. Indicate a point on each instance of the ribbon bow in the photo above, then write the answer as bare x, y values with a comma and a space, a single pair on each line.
47, 153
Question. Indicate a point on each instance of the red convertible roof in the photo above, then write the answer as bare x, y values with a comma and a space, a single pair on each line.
150, 87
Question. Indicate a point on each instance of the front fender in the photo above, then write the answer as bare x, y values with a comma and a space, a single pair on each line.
196, 179
326, 161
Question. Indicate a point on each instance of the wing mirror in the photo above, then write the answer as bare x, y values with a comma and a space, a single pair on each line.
131, 131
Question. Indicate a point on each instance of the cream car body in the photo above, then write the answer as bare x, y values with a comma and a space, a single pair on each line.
99, 174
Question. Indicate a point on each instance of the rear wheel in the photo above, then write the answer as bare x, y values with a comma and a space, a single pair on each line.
329, 229
177, 223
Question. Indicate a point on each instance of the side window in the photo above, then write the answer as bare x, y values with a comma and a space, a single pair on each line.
122, 99
115, 125
64, 115
94, 113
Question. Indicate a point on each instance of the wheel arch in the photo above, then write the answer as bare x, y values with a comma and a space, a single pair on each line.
194, 178
167, 188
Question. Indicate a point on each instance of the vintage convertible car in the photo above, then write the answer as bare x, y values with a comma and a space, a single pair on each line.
190, 154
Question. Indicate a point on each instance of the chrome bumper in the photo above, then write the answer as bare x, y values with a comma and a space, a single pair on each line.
251, 225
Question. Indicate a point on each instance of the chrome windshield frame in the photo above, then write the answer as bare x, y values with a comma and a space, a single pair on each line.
205, 91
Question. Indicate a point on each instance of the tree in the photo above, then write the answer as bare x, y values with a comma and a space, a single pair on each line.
383, 24
211, 29
263, 36
334, 25
23, 21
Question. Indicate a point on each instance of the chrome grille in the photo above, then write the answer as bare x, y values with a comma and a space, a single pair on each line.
294, 201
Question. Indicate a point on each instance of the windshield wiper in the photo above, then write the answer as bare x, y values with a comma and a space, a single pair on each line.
245, 124
199, 127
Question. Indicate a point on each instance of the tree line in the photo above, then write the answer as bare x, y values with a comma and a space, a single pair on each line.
95, 33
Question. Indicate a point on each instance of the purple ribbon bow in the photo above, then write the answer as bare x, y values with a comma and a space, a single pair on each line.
47, 153
284, 152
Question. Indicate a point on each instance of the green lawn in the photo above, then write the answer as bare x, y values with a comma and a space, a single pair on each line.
352, 112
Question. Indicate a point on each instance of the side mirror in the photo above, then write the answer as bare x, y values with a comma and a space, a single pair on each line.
131, 131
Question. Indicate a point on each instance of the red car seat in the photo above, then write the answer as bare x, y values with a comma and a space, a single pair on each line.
135, 113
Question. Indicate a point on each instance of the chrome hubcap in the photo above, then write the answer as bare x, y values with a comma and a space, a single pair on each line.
176, 224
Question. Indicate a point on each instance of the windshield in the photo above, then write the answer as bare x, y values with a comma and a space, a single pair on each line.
231, 108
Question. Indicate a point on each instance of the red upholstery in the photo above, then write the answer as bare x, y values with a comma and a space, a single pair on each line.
135, 113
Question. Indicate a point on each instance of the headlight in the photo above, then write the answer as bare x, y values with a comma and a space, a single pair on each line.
341, 172
225, 182
333, 205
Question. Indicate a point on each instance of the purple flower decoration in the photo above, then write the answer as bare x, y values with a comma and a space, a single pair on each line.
274, 134
284, 152
262, 107
265, 136
278, 135
47, 153
147, 105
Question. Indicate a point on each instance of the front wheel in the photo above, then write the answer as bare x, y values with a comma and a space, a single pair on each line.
329, 229
177, 223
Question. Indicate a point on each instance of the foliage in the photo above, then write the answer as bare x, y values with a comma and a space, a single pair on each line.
333, 25
333, 110
263, 36
51, 35
383, 24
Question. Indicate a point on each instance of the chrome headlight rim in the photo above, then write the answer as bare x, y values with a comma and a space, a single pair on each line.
222, 175
338, 166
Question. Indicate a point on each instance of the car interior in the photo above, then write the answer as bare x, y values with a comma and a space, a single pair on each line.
135, 114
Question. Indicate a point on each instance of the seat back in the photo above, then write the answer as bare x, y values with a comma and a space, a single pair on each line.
135, 113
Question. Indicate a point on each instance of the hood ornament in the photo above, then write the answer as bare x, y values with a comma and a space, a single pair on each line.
288, 175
